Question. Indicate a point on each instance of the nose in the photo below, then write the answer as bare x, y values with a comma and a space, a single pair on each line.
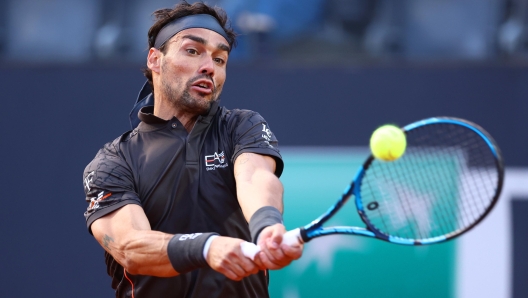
207, 66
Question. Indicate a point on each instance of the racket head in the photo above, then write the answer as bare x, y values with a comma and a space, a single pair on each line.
448, 180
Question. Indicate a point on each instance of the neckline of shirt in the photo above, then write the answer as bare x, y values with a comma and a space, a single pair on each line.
149, 121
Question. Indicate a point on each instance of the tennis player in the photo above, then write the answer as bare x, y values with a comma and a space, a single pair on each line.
172, 200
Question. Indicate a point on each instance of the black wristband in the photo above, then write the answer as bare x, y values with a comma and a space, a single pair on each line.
185, 251
262, 218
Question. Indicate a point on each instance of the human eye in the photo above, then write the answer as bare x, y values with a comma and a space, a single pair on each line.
219, 61
192, 51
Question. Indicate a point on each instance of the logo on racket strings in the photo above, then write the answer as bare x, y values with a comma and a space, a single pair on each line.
372, 206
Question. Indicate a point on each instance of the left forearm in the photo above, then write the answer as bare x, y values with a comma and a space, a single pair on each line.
257, 185
263, 190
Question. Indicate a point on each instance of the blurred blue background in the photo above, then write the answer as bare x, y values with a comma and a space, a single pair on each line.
324, 74
311, 32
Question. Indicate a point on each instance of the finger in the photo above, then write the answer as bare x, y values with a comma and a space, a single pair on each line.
231, 263
265, 256
267, 262
292, 252
275, 253
259, 263
239, 270
276, 236
230, 274
249, 266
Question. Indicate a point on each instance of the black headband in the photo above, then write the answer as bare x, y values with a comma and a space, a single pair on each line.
205, 21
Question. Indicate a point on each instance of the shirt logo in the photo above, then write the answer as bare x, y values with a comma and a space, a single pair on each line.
88, 180
266, 135
217, 160
94, 202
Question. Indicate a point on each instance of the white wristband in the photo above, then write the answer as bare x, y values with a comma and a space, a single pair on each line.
207, 244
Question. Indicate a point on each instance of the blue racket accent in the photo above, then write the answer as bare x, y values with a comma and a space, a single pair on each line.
357, 181
448, 180
434, 240
456, 122
399, 240
340, 230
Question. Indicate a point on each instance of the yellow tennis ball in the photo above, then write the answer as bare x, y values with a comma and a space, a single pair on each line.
388, 143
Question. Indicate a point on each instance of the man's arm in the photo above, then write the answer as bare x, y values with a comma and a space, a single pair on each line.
127, 236
257, 187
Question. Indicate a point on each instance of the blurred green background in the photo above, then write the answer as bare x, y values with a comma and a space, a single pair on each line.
350, 266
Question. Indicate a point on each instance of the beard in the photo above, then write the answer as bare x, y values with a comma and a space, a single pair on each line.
184, 101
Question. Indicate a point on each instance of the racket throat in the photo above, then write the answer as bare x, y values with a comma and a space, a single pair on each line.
303, 236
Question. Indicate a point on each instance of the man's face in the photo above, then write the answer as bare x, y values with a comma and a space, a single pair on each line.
193, 70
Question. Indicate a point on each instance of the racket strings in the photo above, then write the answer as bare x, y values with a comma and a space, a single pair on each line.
445, 182
472, 209
442, 222
484, 185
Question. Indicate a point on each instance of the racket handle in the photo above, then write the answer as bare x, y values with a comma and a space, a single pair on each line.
293, 237
249, 249
290, 238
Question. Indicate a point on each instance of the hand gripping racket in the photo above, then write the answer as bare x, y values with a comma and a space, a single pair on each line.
448, 180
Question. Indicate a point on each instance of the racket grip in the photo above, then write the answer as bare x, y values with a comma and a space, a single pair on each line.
249, 249
290, 238
293, 237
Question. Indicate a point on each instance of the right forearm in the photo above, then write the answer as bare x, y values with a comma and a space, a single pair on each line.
145, 252
126, 234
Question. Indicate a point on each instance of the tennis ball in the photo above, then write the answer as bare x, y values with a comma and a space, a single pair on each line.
388, 143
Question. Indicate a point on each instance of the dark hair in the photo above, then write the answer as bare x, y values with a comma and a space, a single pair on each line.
167, 15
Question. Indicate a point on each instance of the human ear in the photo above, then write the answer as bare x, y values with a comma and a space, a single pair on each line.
154, 59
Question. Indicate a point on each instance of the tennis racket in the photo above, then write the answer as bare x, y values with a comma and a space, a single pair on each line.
448, 180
